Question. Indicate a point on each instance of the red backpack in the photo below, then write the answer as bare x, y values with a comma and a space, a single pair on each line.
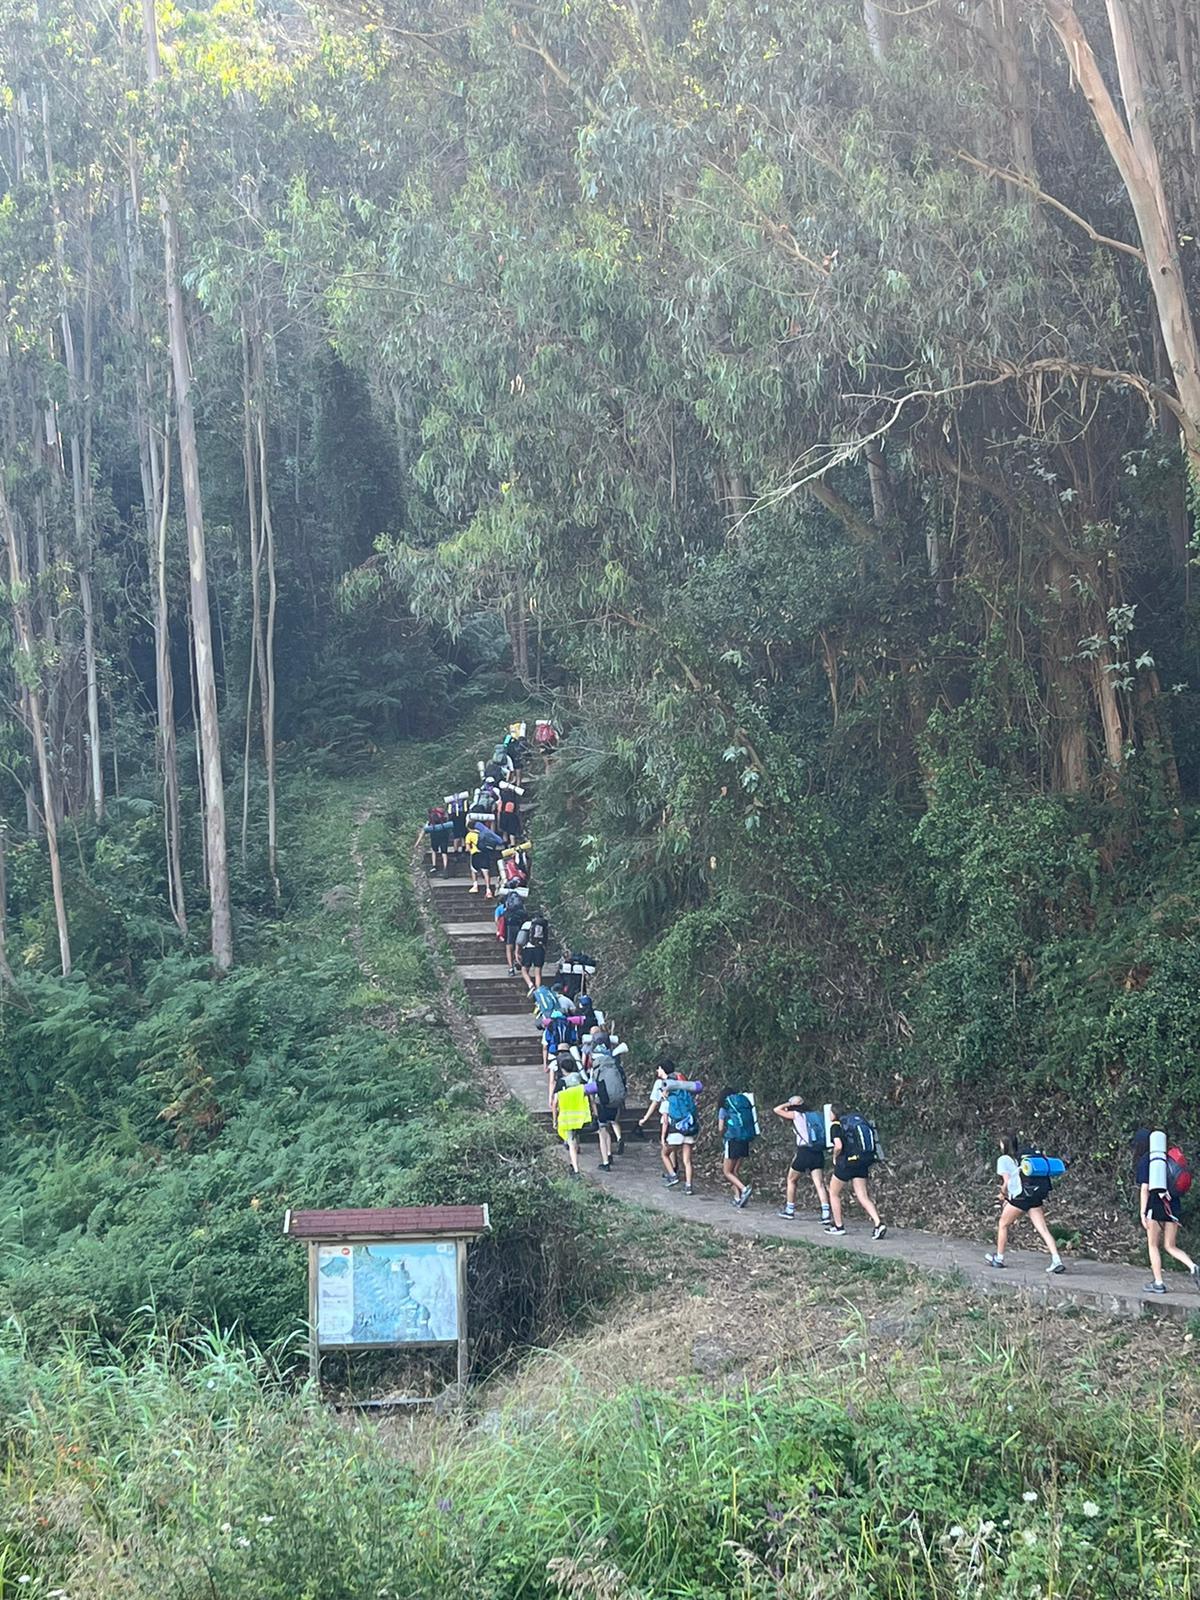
1179, 1174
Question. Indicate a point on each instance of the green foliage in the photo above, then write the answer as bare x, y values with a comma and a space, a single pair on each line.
162, 1470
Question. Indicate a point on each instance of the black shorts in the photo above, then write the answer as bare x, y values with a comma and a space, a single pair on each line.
513, 928
808, 1158
737, 1149
1027, 1202
458, 827
607, 1114
440, 835
1157, 1207
848, 1172
533, 955
484, 860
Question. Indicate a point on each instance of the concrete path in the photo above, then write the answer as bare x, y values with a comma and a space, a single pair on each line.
636, 1177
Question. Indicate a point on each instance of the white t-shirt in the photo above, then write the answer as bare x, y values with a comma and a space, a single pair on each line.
1008, 1169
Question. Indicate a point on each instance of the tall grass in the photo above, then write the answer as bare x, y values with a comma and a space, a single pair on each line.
208, 1472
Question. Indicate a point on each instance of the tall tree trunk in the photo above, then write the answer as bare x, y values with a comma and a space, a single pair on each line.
206, 682
6, 971
28, 673
267, 652
254, 669
1130, 142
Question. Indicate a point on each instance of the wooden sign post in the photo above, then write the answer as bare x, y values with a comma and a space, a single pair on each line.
388, 1279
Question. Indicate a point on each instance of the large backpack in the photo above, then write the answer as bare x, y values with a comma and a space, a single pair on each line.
437, 817
544, 734
681, 1110
488, 836
741, 1117
456, 804
1179, 1174
612, 1084
510, 799
513, 903
539, 932
1035, 1184
545, 999
810, 1128
860, 1142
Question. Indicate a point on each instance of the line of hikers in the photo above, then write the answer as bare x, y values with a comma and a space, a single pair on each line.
587, 1084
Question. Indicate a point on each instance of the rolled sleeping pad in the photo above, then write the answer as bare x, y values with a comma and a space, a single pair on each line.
1042, 1167
1158, 1160
827, 1113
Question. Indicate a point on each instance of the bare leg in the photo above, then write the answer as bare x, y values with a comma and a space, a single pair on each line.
862, 1194
1171, 1245
573, 1151
730, 1169
818, 1178
792, 1176
605, 1139
667, 1154
687, 1163
1038, 1217
836, 1186
1008, 1215
1154, 1237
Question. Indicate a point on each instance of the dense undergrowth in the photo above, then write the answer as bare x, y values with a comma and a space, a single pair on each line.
166, 1122
208, 1474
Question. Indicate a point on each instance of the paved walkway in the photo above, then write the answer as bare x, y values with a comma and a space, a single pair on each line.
636, 1178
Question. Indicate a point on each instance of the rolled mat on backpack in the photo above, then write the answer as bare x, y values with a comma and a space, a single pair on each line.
1040, 1166
1158, 1161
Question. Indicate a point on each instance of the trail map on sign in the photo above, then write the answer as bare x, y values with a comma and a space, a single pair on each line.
387, 1294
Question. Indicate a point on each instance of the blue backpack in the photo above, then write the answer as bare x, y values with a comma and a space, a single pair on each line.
681, 1111
741, 1117
860, 1142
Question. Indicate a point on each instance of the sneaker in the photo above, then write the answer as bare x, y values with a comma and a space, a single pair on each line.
788, 1213
605, 1166
474, 889
880, 1231
687, 1188
995, 1261
1194, 1274
620, 1147
837, 1232
826, 1214
745, 1194
1055, 1267
671, 1183
512, 972
1154, 1288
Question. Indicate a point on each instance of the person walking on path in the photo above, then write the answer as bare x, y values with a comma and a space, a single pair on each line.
1021, 1197
657, 1107
1162, 1217
531, 945
611, 1090
571, 1109
482, 845
855, 1151
737, 1124
439, 831
682, 1124
514, 918
810, 1131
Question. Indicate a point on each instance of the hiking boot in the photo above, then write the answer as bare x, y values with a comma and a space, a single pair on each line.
880, 1231
1154, 1288
1055, 1267
833, 1229
788, 1213
746, 1193
995, 1261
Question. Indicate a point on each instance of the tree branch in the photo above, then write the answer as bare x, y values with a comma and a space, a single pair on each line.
1008, 175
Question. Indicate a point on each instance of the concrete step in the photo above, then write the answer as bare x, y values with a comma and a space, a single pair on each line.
478, 949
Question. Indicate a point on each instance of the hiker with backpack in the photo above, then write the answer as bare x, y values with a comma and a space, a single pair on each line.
571, 1111
1025, 1186
611, 1090
855, 1151
530, 945
811, 1135
1163, 1178
545, 740
513, 916
482, 845
439, 832
737, 1123
657, 1107
679, 1097
457, 806
508, 811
